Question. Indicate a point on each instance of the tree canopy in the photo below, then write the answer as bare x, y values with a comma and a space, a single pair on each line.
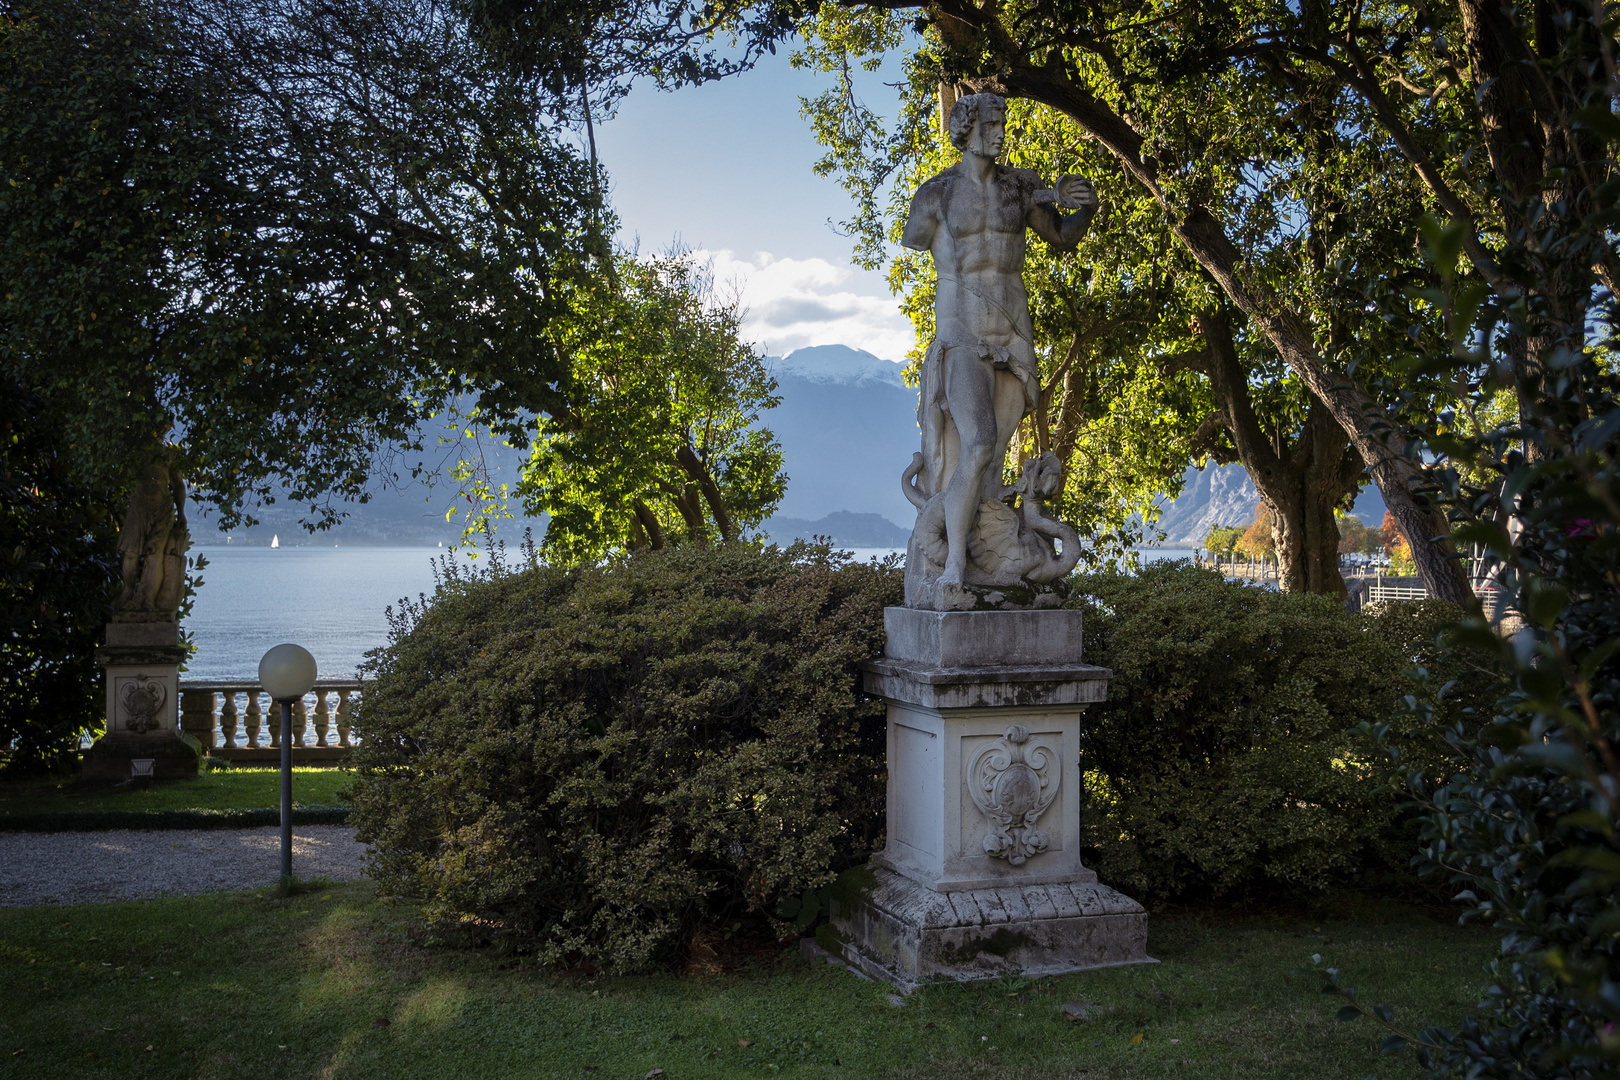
276, 235
656, 437
1288, 156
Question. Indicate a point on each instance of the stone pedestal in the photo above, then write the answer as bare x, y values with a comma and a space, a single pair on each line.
982, 874
142, 658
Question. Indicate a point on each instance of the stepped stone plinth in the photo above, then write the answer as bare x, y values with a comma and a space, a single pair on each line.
142, 659
982, 874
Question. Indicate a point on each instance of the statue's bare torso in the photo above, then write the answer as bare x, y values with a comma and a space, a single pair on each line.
976, 232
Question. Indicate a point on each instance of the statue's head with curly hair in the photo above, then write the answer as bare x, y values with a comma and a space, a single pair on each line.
966, 112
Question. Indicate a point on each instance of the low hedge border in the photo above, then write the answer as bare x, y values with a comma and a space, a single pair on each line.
104, 820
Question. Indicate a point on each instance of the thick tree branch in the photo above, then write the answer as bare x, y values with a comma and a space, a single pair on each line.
694, 468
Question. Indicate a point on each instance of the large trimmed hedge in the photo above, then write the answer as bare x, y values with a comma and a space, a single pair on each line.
592, 762
1220, 762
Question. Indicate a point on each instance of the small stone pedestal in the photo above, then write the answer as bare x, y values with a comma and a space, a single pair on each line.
982, 873
142, 658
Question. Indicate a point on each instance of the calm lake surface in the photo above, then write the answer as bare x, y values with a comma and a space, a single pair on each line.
330, 600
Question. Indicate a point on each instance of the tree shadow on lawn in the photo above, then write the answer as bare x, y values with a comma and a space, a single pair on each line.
224, 789
338, 983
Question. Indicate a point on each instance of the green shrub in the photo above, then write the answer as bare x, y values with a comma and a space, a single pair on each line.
1220, 760
592, 762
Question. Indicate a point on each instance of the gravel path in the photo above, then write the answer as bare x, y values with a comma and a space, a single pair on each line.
128, 864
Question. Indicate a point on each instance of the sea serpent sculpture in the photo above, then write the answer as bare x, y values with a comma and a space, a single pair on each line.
1011, 544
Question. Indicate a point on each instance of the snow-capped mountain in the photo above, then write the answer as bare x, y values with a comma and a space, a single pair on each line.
848, 428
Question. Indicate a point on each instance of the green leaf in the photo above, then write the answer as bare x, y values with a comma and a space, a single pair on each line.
1442, 242
1599, 120
1546, 603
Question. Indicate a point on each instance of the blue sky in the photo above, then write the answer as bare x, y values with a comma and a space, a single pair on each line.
726, 168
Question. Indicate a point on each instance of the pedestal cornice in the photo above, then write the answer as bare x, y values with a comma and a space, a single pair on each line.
1032, 685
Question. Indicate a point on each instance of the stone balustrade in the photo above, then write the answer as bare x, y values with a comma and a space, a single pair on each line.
236, 720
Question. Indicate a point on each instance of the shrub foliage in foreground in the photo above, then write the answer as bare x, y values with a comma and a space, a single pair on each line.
1220, 761
592, 762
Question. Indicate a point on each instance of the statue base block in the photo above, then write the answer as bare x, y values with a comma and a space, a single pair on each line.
142, 658
895, 929
981, 873
113, 758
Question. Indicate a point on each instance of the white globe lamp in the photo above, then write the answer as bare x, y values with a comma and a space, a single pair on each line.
287, 673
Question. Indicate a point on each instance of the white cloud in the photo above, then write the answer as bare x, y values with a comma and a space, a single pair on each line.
793, 303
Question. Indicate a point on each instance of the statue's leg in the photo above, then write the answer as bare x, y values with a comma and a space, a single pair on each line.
1009, 405
131, 574
152, 569
970, 391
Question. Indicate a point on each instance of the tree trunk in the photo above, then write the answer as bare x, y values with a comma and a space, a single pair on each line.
1302, 484
1322, 472
686, 501
698, 472
647, 521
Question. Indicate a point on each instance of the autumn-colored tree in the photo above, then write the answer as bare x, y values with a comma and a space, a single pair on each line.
1355, 538
1394, 544
1259, 539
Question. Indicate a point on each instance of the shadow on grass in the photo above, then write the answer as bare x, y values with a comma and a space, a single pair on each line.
326, 979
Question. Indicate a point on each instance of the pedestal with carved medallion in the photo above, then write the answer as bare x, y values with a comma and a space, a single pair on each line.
981, 874
142, 659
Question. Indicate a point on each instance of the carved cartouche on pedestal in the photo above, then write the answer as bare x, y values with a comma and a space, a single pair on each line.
1012, 781
978, 544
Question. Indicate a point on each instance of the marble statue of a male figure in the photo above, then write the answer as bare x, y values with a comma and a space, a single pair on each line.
980, 377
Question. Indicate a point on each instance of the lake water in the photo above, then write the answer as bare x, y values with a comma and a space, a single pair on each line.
329, 600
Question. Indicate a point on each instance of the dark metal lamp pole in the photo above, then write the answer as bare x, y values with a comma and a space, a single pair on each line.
286, 788
288, 673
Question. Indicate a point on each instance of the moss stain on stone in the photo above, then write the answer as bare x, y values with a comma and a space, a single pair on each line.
1001, 942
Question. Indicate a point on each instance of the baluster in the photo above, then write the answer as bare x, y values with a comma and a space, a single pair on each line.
227, 721
323, 719
197, 714
300, 723
343, 718
255, 719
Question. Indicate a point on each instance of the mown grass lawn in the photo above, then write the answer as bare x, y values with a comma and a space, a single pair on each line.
225, 790
335, 983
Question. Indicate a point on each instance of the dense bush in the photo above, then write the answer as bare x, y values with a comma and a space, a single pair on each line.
592, 762
1220, 760
1527, 831
57, 573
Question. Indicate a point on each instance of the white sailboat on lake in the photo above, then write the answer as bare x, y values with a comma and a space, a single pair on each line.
275, 540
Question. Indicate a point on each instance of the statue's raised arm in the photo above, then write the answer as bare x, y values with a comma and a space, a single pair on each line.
971, 547
1063, 231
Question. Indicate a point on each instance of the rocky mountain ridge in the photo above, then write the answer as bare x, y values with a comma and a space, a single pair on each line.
848, 428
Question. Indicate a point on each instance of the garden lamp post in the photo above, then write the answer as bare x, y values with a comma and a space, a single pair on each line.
287, 673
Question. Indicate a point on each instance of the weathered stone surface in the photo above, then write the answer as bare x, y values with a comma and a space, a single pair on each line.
984, 687
111, 757
984, 797
895, 929
978, 545
975, 639
142, 633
